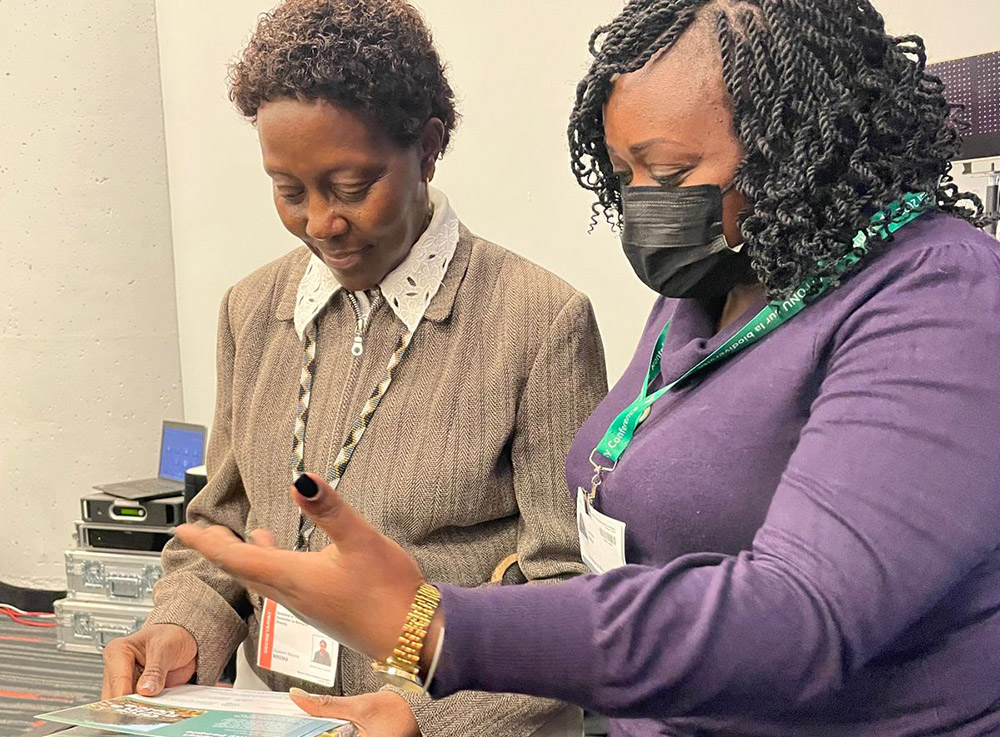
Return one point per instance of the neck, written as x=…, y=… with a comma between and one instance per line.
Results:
x=737, y=302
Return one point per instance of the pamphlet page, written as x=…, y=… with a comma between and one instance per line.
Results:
x=198, y=711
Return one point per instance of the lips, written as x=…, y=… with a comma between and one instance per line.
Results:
x=341, y=259
x=341, y=254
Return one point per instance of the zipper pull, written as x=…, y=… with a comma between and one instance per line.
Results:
x=358, y=347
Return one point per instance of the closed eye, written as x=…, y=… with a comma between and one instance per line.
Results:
x=357, y=190
x=291, y=196
x=674, y=180
x=353, y=193
x=666, y=181
x=668, y=176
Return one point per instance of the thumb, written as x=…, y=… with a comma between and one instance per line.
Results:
x=329, y=512
x=154, y=672
x=328, y=707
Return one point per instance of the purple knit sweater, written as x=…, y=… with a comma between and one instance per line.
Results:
x=813, y=526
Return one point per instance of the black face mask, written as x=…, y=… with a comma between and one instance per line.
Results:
x=673, y=238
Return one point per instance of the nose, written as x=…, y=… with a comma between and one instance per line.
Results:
x=323, y=222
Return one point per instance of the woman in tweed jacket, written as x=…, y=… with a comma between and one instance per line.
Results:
x=494, y=364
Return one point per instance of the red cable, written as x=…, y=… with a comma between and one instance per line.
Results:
x=17, y=619
x=26, y=623
x=17, y=614
x=22, y=613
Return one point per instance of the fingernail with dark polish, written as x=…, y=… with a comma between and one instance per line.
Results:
x=306, y=487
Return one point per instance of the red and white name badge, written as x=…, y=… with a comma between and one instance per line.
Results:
x=287, y=645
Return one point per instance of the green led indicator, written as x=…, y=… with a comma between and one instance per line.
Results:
x=130, y=512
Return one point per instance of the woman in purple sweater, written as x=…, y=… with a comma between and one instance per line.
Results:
x=792, y=497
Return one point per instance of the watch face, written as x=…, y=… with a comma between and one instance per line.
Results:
x=397, y=678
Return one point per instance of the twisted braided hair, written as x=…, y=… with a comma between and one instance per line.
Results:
x=837, y=120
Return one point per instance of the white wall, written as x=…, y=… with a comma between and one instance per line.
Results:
x=88, y=331
x=950, y=28
x=223, y=221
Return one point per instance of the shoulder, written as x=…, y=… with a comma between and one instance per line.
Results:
x=522, y=285
x=936, y=258
x=541, y=325
x=268, y=291
x=938, y=247
x=938, y=273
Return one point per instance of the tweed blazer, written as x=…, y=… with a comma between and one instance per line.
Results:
x=462, y=464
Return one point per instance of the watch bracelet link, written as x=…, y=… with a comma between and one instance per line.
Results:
x=406, y=654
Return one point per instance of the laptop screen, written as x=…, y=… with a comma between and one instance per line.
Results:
x=181, y=448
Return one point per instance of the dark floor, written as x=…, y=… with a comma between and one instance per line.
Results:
x=36, y=678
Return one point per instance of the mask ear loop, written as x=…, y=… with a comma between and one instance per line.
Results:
x=734, y=249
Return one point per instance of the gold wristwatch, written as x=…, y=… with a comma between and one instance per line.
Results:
x=402, y=669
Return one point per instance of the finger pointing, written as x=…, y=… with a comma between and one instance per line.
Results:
x=328, y=511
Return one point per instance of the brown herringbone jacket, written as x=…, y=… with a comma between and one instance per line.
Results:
x=463, y=463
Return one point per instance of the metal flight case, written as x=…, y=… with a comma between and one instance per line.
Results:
x=102, y=575
x=87, y=626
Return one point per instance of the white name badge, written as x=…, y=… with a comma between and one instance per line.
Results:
x=287, y=645
x=602, y=538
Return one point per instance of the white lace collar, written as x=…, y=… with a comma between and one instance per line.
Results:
x=408, y=288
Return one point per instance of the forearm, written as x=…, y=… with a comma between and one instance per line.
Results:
x=207, y=603
x=196, y=595
x=703, y=634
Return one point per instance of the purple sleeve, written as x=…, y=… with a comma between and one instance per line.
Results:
x=889, y=500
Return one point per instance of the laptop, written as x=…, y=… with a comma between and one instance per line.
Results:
x=182, y=446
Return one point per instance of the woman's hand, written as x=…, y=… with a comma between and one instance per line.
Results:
x=379, y=714
x=358, y=589
x=156, y=657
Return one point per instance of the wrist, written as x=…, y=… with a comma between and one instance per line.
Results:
x=432, y=644
x=393, y=706
x=403, y=668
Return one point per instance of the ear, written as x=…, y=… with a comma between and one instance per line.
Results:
x=431, y=147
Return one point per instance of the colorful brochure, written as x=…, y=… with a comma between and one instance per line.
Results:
x=198, y=711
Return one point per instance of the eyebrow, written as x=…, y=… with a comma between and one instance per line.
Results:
x=333, y=171
x=641, y=148
x=274, y=171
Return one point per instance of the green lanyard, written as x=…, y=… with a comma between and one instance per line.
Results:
x=619, y=435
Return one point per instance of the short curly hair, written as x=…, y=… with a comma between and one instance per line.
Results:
x=371, y=56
